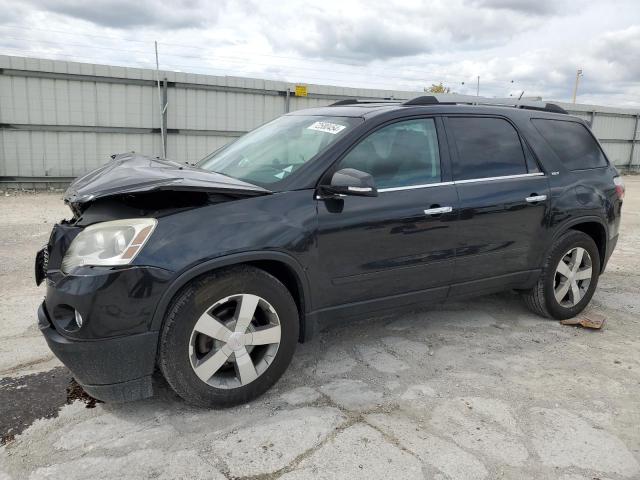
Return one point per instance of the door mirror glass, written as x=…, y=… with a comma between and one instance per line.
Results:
x=350, y=181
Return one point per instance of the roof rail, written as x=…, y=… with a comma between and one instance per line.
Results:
x=548, y=107
x=360, y=101
x=423, y=100
x=469, y=100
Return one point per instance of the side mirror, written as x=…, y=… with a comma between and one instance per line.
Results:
x=350, y=181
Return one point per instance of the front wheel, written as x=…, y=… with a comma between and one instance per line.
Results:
x=569, y=277
x=228, y=337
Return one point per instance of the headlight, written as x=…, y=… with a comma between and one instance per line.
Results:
x=109, y=243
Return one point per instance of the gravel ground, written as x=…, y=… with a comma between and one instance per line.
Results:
x=480, y=389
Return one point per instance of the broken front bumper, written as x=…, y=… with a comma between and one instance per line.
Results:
x=113, y=369
x=97, y=320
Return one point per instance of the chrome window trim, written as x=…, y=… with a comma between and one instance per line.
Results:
x=413, y=187
x=470, y=180
x=503, y=177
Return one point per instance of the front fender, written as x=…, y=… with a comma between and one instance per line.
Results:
x=227, y=261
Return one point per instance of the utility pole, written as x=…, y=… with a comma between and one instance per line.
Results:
x=162, y=107
x=478, y=87
x=575, y=87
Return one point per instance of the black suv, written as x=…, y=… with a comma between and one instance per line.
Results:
x=212, y=273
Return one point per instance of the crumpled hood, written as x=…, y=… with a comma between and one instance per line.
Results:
x=134, y=173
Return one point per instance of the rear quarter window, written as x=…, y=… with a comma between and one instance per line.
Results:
x=572, y=143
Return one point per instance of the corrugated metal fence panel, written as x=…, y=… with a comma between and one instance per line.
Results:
x=65, y=154
x=192, y=108
x=583, y=115
x=300, y=103
x=618, y=153
x=191, y=148
x=614, y=126
x=43, y=101
x=209, y=110
x=27, y=100
x=45, y=108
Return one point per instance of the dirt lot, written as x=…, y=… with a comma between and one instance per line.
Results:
x=470, y=390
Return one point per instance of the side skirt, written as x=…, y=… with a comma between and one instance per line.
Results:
x=331, y=316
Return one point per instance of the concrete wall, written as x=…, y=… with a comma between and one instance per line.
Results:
x=60, y=119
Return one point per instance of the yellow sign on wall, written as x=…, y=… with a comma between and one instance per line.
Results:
x=301, y=90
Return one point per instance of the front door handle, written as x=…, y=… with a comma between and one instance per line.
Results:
x=536, y=198
x=438, y=210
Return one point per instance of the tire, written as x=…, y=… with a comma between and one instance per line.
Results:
x=185, y=349
x=541, y=299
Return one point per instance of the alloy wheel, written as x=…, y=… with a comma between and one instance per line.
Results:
x=572, y=277
x=234, y=341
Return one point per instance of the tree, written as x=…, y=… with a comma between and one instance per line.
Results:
x=439, y=88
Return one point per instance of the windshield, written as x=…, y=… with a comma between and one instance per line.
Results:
x=274, y=151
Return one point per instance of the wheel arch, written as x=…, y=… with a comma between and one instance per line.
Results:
x=592, y=226
x=281, y=265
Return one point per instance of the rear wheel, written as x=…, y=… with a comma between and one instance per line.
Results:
x=228, y=337
x=569, y=277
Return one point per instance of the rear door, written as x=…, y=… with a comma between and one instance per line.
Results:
x=504, y=199
x=380, y=250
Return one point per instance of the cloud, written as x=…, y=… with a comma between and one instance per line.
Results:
x=378, y=31
x=123, y=14
x=513, y=45
x=12, y=13
x=364, y=39
x=540, y=7
x=621, y=51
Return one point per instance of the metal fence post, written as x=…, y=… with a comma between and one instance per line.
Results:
x=287, y=98
x=634, y=139
x=165, y=86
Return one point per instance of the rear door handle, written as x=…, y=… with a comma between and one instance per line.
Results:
x=536, y=198
x=438, y=210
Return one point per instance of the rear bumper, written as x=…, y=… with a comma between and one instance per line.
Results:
x=114, y=369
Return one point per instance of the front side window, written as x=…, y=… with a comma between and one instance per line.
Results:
x=269, y=154
x=572, y=143
x=399, y=155
x=486, y=147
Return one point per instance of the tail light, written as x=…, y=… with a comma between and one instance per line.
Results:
x=619, y=187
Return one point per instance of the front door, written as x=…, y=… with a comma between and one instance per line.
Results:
x=396, y=248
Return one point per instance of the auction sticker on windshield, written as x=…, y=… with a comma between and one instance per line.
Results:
x=326, y=127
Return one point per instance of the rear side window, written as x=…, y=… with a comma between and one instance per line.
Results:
x=487, y=147
x=572, y=143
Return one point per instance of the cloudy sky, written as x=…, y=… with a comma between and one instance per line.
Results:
x=513, y=45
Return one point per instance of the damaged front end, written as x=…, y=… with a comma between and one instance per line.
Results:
x=100, y=302
x=134, y=186
x=134, y=174
x=49, y=258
